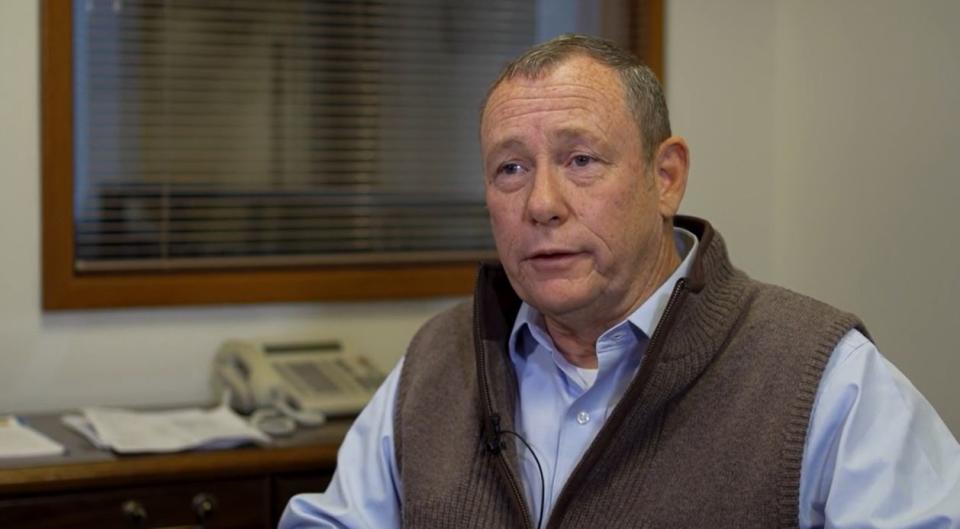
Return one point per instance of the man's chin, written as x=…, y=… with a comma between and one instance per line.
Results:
x=558, y=303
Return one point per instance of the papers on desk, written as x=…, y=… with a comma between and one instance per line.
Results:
x=125, y=431
x=19, y=440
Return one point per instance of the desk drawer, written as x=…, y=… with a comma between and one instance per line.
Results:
x=285, y=486
x=237, y=504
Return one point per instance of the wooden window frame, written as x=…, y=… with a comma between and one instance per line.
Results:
x=65, y=288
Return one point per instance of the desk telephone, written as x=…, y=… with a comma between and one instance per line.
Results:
x=306, y=381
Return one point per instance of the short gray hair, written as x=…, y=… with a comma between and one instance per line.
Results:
x=643, y=91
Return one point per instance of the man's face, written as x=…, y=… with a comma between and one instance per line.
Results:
x=577, y=220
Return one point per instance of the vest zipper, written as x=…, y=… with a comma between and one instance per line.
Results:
x=492, y=421
x=634, y=391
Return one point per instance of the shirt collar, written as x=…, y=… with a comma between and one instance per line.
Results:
x=647, y=315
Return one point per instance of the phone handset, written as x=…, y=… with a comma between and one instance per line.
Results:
x=232, y=375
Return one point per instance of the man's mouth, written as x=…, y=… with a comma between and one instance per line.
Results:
x=552, y=255
x=553, y=259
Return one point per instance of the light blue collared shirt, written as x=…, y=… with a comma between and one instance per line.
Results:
x=562, y=407
x=877, y=455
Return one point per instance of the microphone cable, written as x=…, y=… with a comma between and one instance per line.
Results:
x=495, y=419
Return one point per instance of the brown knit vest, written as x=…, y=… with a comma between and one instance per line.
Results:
x=710, y=432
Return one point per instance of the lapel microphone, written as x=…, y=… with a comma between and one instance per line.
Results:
x=491, y=434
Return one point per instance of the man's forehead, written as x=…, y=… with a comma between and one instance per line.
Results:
x=570, y=103
x=563, y=135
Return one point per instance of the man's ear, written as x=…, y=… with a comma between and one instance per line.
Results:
x=671, y=166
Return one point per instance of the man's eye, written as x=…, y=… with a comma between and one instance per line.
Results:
x=582, y=160
x=509, y=168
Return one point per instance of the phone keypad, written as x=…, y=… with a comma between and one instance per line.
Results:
x=309, y=377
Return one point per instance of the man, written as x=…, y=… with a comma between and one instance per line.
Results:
x=617, y=370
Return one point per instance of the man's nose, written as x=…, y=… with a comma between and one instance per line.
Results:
x=546, y=203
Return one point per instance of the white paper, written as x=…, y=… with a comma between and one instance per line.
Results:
x=17, y=440
x=82, y=426
x=170, y=431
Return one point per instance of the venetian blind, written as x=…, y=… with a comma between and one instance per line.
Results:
x=213, y=133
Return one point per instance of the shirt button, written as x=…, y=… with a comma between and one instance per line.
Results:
x=583, y=417
x=617, y=336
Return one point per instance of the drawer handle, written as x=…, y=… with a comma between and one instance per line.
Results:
x=203, y=506
x=134, y=512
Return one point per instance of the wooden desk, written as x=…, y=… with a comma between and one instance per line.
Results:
x=243, y=488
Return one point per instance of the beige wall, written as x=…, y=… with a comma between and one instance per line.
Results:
x=824, y=140
x=826, y=147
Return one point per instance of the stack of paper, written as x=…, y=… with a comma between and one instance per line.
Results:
x=126, y=431
x=19, y=440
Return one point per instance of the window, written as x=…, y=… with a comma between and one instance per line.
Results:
x=214, y=152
